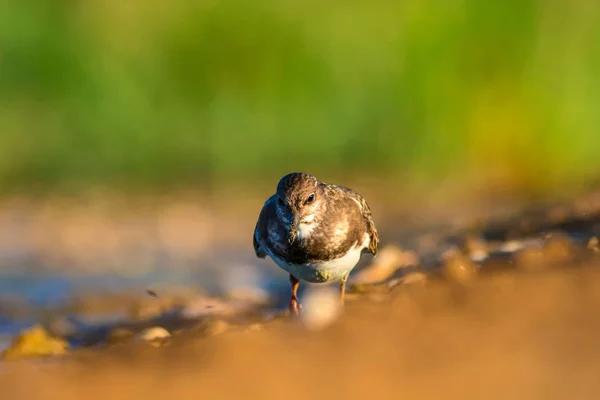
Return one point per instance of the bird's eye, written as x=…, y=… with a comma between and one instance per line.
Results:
x=310, y=198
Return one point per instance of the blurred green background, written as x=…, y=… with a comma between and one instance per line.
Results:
x=150, y=93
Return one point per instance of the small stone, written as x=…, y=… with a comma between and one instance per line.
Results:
x=476, y=248
x=156, y=336
x=33, y=342
x=478, y=255
x=594, y=244
x=559, y=249
x=530, y=259
x=393, y=283
x=321, y=308
x=459, y=268
x=387, y=262
x=511, y=246
x=414, y=278
x=451, y=253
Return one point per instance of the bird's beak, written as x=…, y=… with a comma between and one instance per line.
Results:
x=292, y=234
x=294, y=229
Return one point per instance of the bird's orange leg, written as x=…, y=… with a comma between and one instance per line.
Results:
x=343, y=288
x=294, y=305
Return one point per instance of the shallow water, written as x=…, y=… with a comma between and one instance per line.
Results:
x=33, y=296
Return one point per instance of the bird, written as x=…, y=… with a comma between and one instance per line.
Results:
x=315, y=231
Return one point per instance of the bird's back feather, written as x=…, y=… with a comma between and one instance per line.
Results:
x=366, y=213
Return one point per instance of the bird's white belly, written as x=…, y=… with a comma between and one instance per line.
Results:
x=322, y=271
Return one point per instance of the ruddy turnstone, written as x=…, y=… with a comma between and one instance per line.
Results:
x=315, y=231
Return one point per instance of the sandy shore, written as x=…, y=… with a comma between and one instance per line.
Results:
x=524, y=326
x=512, y=334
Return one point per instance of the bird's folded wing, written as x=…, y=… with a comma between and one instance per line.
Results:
x=260, y=230
x=366, y=212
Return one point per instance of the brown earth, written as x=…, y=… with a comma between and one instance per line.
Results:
x=525, y=327
x=511, y=335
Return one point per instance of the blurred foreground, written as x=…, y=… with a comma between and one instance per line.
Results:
x=511, y=335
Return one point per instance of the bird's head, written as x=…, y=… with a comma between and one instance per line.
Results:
x=299, y=199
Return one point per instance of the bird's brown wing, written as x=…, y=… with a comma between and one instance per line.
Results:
x=366, y=213
x=371, y=229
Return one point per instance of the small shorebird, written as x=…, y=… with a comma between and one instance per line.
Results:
x=315, y=231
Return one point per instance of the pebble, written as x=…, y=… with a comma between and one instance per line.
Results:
x=35, y=341
x=594, y=244
x=321, y=308
x=156, y=336
x=459, y=268
x=530, y=259
x=559, y=249
x=511, y=246
x=388, y=261
x=476, y=248
x=413, y=278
